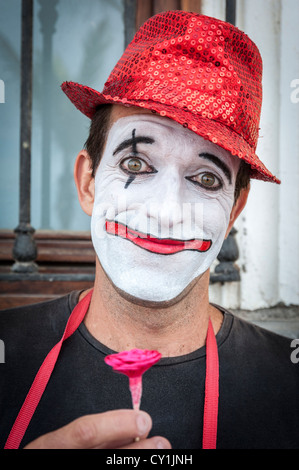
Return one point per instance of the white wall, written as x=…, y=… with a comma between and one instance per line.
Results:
x=268, y=229
x=289, y=155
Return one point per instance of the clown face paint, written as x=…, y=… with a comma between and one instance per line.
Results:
x=163, y=197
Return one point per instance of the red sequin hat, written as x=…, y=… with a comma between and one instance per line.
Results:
x=199, y=71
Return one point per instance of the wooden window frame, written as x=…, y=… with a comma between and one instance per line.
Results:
x=65, y=259
x=66, y=262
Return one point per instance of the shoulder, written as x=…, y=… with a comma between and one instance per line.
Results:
x=259, y=349
x=43, y=319
x=46, y=307
x=247, y=331
x=250, y=333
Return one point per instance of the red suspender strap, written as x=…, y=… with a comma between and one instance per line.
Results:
x=210, y=417
x=42, y=377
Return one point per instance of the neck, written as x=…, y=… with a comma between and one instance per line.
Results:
x=173, y=330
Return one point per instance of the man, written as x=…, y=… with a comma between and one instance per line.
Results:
x=164, y=175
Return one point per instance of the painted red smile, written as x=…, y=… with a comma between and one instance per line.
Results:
x=162, y=246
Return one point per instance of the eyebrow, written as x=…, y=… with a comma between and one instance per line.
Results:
x=219, y=163
x=133, y=142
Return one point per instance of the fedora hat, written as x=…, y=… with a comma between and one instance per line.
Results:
x=199, y=71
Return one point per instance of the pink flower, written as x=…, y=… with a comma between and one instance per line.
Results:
x=133, y=363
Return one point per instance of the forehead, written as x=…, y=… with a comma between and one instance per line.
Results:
x=124, y=119
x=161, y=129
x=119, y=111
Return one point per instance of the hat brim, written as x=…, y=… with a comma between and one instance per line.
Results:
x=87, y=100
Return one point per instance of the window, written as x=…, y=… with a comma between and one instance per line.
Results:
x=72, y=41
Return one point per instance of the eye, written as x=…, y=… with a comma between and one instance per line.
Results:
x=136, y=165
x=206, y=180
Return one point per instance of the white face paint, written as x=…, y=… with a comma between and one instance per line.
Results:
x=163, y=197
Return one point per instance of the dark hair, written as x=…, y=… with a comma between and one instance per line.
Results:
x=98, y=133
x=242, y=179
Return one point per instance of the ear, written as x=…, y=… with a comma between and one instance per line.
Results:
x=237, y=208
x=84, y=181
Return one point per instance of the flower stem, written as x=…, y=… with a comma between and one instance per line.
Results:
x=135, y=384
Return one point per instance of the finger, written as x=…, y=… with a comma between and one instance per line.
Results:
x=156, y=442
x=99, y=431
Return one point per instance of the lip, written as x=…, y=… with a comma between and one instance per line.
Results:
x=162, y=246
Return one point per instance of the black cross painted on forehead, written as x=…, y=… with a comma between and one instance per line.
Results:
x=132, y=142
x=134, y=151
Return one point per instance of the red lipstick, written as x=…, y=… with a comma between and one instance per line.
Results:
x=162, y=246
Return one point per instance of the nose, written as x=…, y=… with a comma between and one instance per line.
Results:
x=165, y=207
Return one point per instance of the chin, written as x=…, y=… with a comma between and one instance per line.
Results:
x=155, y=301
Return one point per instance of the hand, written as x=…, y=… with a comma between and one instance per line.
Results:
x=117, y=429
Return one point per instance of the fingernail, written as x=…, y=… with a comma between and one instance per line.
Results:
x=143, y=422
x=162, y=445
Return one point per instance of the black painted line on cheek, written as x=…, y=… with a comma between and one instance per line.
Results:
x=130, y=180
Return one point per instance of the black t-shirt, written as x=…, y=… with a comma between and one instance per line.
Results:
x=259, y=384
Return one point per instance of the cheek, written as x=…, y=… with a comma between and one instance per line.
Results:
x=112, y=199
x=111, y=191
x=107, y=184
x=216, y=215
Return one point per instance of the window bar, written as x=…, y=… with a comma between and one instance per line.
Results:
x=129, y=21
x=230, y=14
x=227, y=270
x=25, y=250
